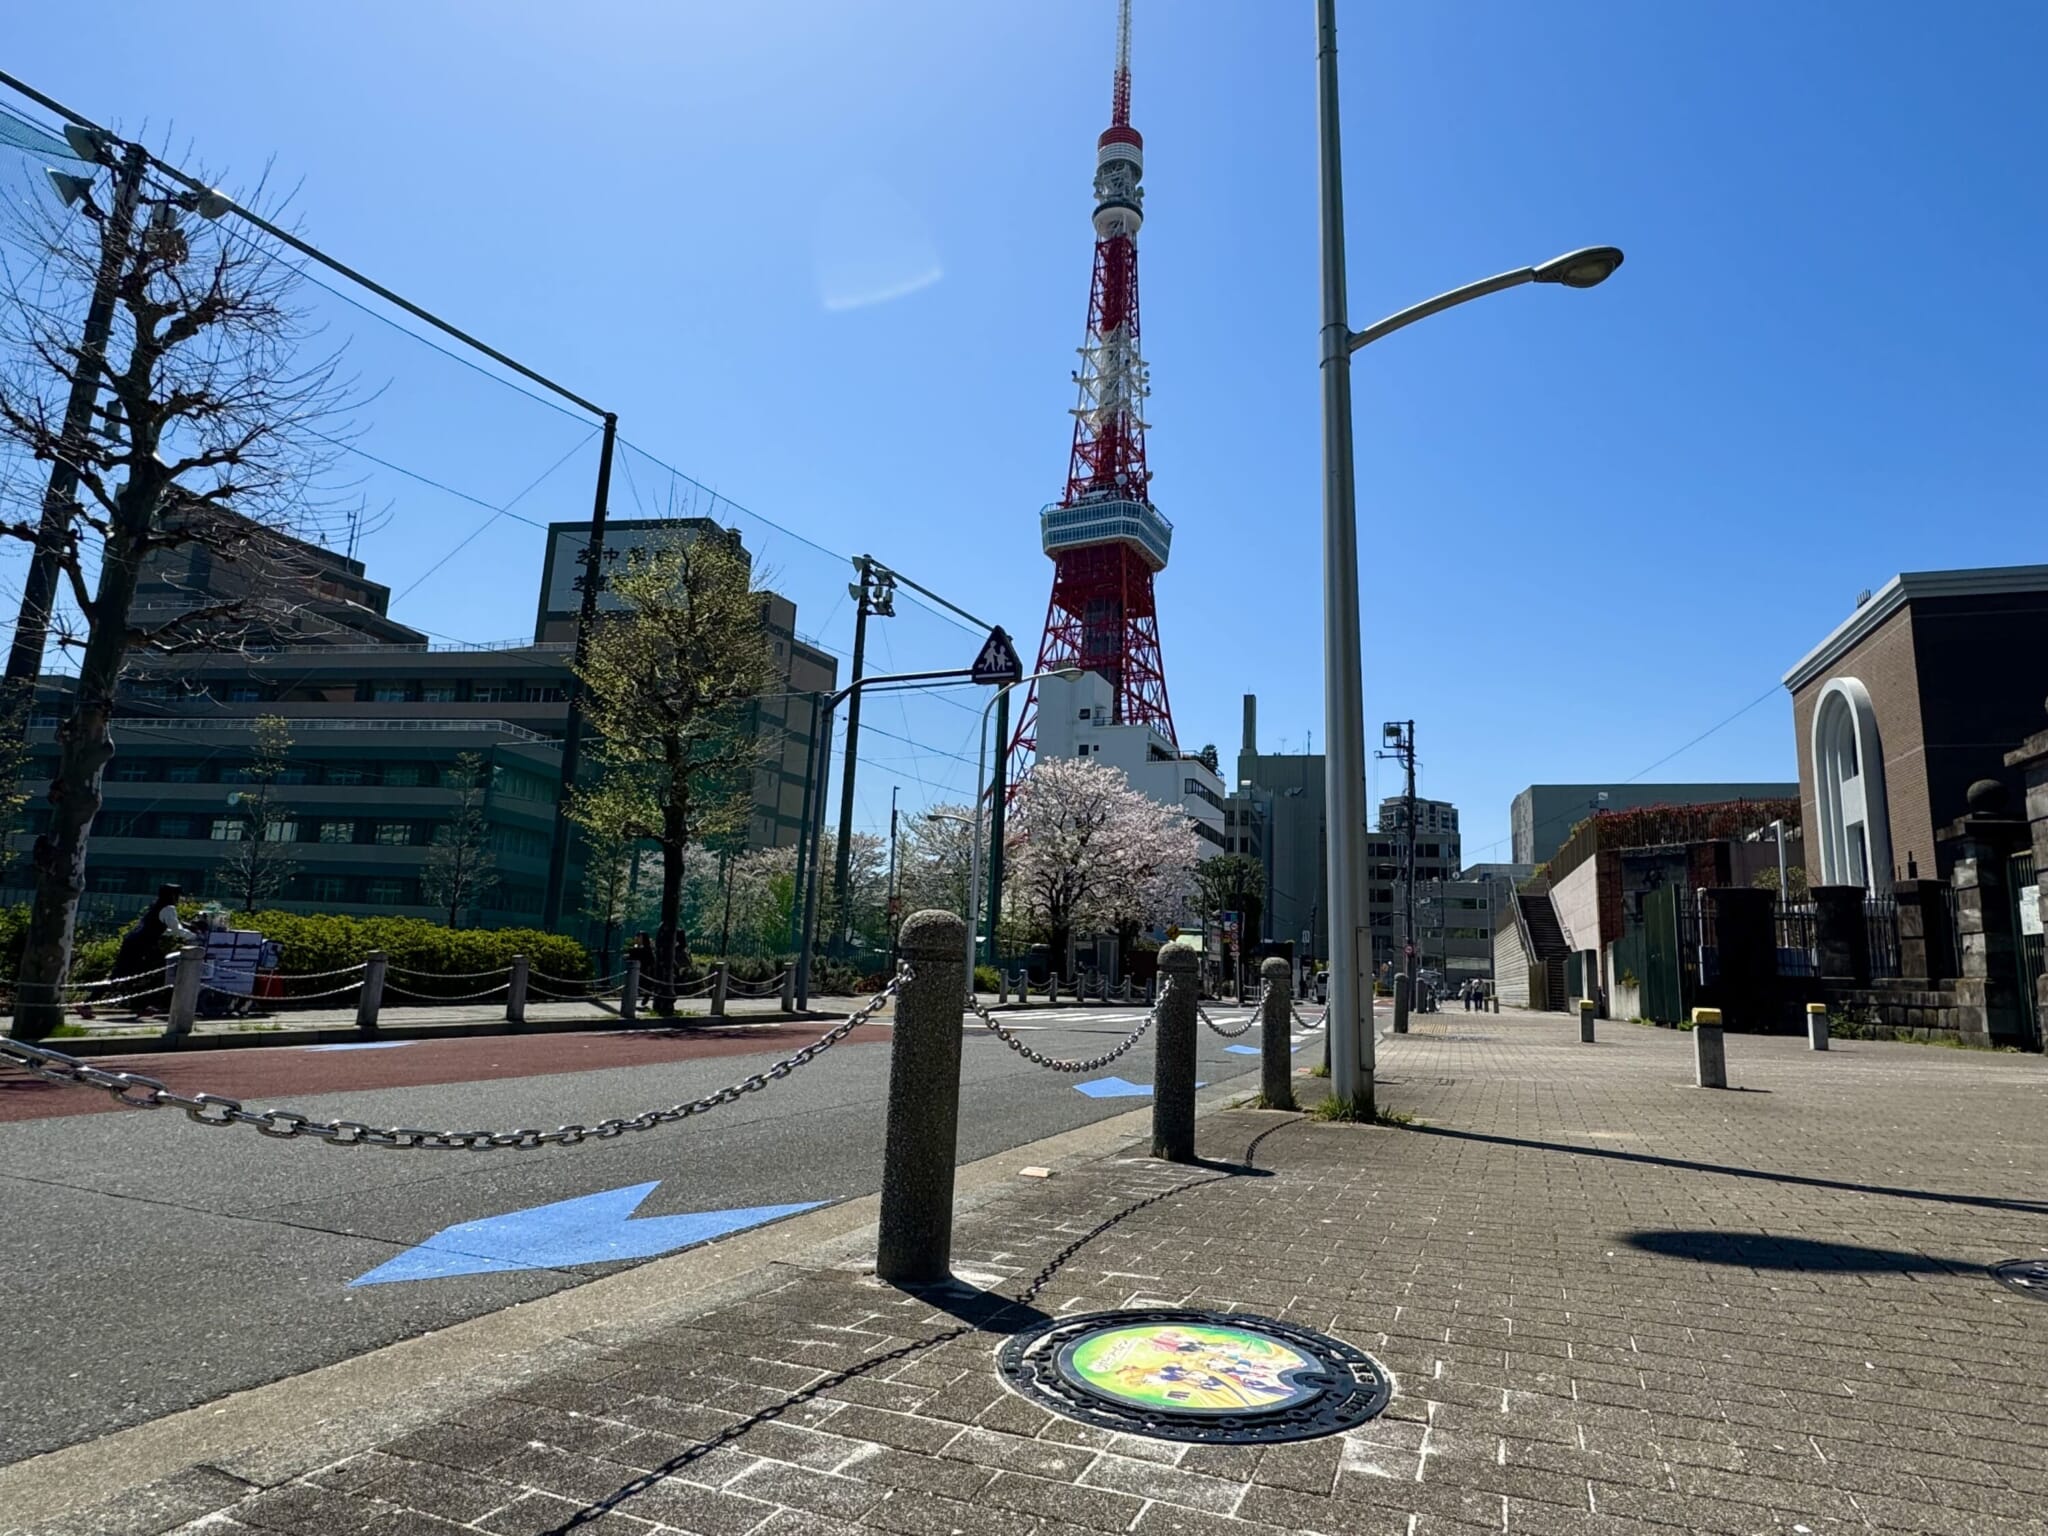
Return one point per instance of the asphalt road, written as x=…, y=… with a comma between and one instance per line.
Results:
x=150, y=1265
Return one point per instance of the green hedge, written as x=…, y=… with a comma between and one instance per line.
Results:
x=326, y=943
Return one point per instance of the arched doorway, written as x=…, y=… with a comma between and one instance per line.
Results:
x=1854, y=832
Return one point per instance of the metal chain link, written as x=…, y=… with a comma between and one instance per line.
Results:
x=1316, y=1023
x=80, y=986
x=1228, y=1034
x=1056, y=1064
x=409, y=970
x=141, y=1092
x=467, y=997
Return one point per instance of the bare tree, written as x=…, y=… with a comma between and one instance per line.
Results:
x=460, y=869
x=257, y=866
x=209, y=433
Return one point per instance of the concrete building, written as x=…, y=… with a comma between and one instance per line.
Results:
x=1543, y=815
x=378, y=717
x=1909, y=700
x=1437, y=818
x=1075, y=719
x=1281, y=812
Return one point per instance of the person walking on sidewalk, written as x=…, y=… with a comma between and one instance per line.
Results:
x=143, y=945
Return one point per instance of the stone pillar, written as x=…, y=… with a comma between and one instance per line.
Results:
x=2031, y=759
x=1841, y=934
x=1587, y=1011
x=1990, y=1009
x=1052, y=990
x=184, y=1007
x=629, y=994
x=515, y=992
x=1746, y=937
x=371, y=997
x=1709, y=1051
x=1173, y=1064
x=1401, y=1001
x=789, y=986
x=1276, y=1037
x=718, y=984
x=1817, y=1026
x=1926, y=947
x=916, y=1234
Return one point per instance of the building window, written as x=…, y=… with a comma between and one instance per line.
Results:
x=330, y=888
x=129, y=770
x=401, y=776
x=396, y=834
x=388, y=893
x=122, y=824
x=388, y=693
x=228, y=829
x=340, y=773
x=494, y=693
x=174, y=826
x=244, y=693
x=182, y=773
x=285, y=829
x=438, y=693
x=337, y=831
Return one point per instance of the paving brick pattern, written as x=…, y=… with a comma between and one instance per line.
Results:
x=1611, y=1302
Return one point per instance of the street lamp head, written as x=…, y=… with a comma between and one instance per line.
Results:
x=71, y=189
x=1068, y=674
x=1588, y=268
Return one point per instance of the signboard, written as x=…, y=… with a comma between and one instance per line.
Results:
x=2030, y=914
x=998, y=661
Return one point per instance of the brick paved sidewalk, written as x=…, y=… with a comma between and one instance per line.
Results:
x=1611, y=1303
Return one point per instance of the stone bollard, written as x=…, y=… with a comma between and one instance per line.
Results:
x=1173, y=1061
x=916, y=1242
x=1586, y=1007
x=1276, y=1042
x=371, y=998
x=1817, y=1026
x=1102, y=986
x=184, y=1007
x=1709, y=1053
x=1052, y=990
x=629, y=994
x=515, y=994
x=1152, y=990
x=1002, y=985
x=1495, y=1000
x=718, y=985
x=789, y=988
x=1401, y=1003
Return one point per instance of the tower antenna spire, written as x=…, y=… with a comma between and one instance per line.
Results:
x=1105, y=538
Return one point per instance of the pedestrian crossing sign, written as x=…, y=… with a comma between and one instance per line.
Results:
x=998, y=661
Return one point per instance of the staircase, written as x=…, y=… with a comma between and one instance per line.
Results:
x=1547, y=946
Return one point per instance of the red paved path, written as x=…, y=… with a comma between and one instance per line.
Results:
x=274, y=1073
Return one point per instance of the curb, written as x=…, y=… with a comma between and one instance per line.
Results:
x=256, y=1039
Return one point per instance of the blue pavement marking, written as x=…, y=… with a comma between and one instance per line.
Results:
x=361, y=1045
x=1253, y=1050
x=591, y=1229
x=1117, y=1088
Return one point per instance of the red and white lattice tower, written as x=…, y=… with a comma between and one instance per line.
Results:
x=1104, y=536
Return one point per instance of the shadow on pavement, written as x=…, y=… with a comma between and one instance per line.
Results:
x=1750, y=1250
x=1806, y=1181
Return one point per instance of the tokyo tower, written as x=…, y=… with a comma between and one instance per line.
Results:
x=1105, y=538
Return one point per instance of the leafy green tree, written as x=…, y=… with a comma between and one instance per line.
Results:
x=460, y=869
x=1233, y=882
x=668, y=681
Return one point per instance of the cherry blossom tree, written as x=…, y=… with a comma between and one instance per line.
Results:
x=1090, y=852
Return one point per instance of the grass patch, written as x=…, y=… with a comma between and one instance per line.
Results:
x=1321, y=1069
x=1347, y=1112
x=69, y=1030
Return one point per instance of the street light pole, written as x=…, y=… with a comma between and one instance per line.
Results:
x=1351, y=1036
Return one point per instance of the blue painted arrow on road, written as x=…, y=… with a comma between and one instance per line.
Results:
x=1117, y=1088
x=591, y=1229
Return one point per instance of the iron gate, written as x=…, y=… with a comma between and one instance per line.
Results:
x=1667, y=977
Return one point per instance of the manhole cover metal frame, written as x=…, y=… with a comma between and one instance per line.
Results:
x=1348, y=1385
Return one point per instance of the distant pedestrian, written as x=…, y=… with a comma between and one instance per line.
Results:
x=143, y=946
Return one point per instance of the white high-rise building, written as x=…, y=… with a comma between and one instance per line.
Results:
x=1075, y=720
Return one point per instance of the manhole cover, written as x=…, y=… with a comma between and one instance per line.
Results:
x=2027, y=1276
x=1173, y=1374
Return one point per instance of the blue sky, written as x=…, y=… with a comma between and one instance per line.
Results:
x=831, y=259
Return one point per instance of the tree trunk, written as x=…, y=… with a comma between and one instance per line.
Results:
x=85, y=744
x=1062, y=945
x=665, y=931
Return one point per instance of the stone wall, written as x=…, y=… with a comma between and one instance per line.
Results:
x=1907, y=1010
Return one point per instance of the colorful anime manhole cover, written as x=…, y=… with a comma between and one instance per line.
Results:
x=2027, y=1276
x=1219, y=1377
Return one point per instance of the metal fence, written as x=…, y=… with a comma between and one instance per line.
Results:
x=1797, y=940
x=1881, y=924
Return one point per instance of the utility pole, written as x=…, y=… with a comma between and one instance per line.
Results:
x=591, y=557
x=892, y=861
x=39, y=586
x=998, y=803
x=874, y=593
x=1399, y=739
